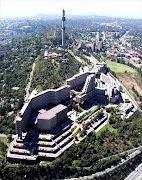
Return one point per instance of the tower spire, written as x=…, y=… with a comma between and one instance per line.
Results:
x=63, y=29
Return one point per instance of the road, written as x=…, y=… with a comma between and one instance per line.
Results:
x=29, y=82
x=3, y=135
x=136, y=175
x=123, y=39
x=114, y=167
x=93, y=59
x=77, y=58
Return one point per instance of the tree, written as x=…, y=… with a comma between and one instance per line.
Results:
x=57, y=162
x=120, y=88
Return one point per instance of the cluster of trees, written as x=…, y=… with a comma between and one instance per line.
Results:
x=52, y=75
x=3, y=148
x=57, y=171
x=7, y=125
x=136, y=41
x=114, y=119
x=137, y=94
x=16, y=60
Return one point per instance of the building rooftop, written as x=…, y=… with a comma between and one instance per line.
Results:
x=43, y=114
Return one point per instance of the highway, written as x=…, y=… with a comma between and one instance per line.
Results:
x=3, y=135
x=136, y=175
x=93, y=59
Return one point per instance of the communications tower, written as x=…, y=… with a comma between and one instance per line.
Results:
x=63, y=29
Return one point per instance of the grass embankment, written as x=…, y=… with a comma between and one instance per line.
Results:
x=107, y=126
x=78, y=58
x=89, y=114
x=45, y=163
x=81, y=109
x=3, y=139
x=76, y=132
x=73, y=128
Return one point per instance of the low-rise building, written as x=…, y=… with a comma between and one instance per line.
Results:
x=126, y=108
x=46, y=120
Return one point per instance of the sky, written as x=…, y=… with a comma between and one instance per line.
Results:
x=116, y=8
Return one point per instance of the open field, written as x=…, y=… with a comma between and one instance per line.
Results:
x=119, y=68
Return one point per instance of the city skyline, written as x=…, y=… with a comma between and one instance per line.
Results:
x=125, y=8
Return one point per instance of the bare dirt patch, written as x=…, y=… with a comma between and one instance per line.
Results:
x=129, y=80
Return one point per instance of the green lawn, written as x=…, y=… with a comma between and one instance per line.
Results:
x=107, y=126
x=119, y=68
x=12, y=164
x=3, y=139
x=76, y=163
x=81, y=109
x=46, y=162
x=91, y=112
x=73, y=128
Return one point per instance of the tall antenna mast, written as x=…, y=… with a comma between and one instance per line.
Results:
x=63, y=29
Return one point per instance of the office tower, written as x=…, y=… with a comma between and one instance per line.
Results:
x=98, y=36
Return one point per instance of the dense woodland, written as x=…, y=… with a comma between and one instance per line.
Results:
x=50, y=172
x=52, y=75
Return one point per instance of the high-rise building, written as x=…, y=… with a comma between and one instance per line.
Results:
x=104, y=36
x=63, y=29
x=98, y=36
x=93, y=46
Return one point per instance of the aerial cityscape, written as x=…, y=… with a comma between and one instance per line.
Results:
x=71, y=93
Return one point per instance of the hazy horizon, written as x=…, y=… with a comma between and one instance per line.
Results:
x=117, y=8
